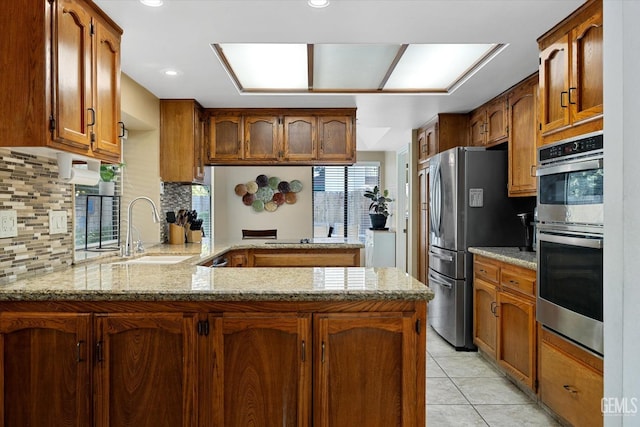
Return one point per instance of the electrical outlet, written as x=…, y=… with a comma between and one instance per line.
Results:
x=57, y=222
x=8, y=223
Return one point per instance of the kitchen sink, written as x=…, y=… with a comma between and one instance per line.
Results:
x=156, y=259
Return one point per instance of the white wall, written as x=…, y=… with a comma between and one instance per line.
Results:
x=231, y=215
x=622, y=207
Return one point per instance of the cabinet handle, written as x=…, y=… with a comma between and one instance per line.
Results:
x=79, y=351
x=493, y=308
x=562, y=94
x=99, y=353
x=322, y=355
x=572, y=89
x=121, y=130
x=304, y=350
x=514, y=282
x=93, y=117
x=532, y=172
x=570, y=389
x=483, y=271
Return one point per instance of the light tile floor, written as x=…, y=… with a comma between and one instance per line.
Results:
x=463, y=389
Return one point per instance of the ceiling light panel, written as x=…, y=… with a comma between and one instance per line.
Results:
x=351, y=66
x=262, y=66
x=435, y=66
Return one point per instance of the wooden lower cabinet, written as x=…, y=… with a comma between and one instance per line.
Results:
x=365, y=370
x=571, y=381
x=212, y=363
x=145, y=369
x=504, y=319
x=45, y=368
x=304, y=258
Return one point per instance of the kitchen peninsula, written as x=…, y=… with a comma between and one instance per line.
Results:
x=187, y=345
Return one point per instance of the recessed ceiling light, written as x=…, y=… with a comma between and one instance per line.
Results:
x=171, y=72
x=318, y=3
x=152, y=3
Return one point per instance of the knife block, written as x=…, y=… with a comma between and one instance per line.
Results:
x=194, y=236
x=176, y=235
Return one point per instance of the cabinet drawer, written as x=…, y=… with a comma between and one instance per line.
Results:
x=572, y=389
x=518, y=280
x=485, y=269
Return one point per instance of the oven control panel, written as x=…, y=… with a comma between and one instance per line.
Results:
x=572, y=147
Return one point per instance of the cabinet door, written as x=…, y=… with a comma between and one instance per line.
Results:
x=431, y=139
x=108, y=128
x=262, y=370
x=585, y=92
x=225, y=138
x=74, y=114
x=477, y=127
x=365, y=367
x=554, y=86
x=422, y=145
x=523, y=114
x=45, y=369
x=336, y=138
x=145, y=370
x=261, y=138
x=517, y=337
x=299, y=139
x=484, y=316
x=180, y=141
x=496, y=121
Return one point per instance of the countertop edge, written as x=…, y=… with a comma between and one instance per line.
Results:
x=510, y=255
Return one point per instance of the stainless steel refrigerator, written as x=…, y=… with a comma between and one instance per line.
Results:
x=468, y=206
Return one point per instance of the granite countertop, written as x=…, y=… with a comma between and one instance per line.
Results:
x=112, y=280
x=511, y=255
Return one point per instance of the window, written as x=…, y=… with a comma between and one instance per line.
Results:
x=339, y=206
x=97, y=225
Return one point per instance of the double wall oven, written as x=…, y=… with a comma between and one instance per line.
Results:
x=570, y=239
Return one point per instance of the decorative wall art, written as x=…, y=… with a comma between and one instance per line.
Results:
x=268, y=193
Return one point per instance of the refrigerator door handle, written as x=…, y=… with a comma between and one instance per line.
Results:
x=442, y=257
x=439, y=281
x=435, y=214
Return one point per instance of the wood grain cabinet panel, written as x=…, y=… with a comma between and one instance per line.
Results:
x=262, y=138
x=45, y=366
x=335, y=134
x=182, y=135
x=364, y=370
x=145, y=369
x=299, y=138
x=488, y=123
x=504, y=321
x=61, y=82
x=571, y=76
x=523, y=138
x=225, y=138
x=262, y=372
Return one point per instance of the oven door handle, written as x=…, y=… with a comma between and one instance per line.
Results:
x=570, y=167
x=571, y=240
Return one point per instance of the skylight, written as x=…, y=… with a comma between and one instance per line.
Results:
x=350, y=68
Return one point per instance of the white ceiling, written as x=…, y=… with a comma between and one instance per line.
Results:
x=179, y=34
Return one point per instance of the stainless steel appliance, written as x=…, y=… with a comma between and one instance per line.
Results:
x=570, y=239
x=468, y=206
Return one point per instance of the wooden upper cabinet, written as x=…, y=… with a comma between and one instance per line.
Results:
x=262, y=369
x=365, y=367
x=182, y=134
x=422, y=145
x=145, y=371
x=74, y=113
x=225, y=138
x=299, y=137
x=488, y=123
x=108, y=128
x=442, y=132
x=45, y=368
x=336, y=137
x=571, y=76
x=262, y=140
x=272, y=136
x=62, y=87
x=523, y=136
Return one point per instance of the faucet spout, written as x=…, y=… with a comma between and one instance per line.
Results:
x=156, y=219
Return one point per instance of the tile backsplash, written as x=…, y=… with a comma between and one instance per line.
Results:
x=29, y=185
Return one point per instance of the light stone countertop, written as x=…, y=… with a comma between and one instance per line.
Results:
x=511, y=255
x=108, y=279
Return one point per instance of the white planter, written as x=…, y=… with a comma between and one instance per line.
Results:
x=106, y=188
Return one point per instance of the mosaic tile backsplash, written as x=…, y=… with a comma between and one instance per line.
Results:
x=29, y=185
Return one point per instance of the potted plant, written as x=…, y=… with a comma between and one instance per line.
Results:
x=106, y=186
x=379, y=208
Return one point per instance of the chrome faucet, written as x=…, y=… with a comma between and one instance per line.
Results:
x=156, y=219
